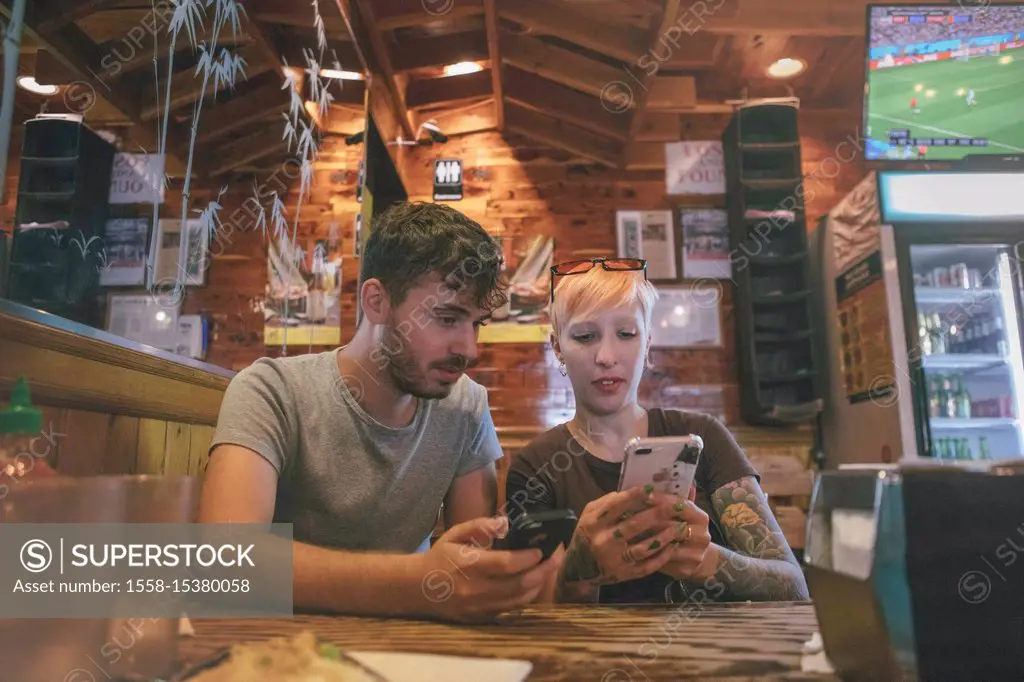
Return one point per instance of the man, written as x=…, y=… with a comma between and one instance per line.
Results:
x=970, y=98
x=358, y=447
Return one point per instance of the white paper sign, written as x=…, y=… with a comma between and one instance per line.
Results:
x=137, y=179
x=694, y=167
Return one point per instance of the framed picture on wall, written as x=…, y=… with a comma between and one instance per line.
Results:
x=705, y=247
x=167, y=252
x=650, y=235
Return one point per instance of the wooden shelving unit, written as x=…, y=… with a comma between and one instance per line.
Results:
x=776, y=339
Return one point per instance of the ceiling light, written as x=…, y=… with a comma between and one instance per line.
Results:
x=462, y=68
x=341, y=75
x=29, y=83
x=786, y=68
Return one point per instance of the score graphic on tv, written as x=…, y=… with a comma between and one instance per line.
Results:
x=944, y=82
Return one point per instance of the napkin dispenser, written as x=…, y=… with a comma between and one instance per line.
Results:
x=917, y=571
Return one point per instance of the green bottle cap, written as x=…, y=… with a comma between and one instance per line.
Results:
x=20, y=416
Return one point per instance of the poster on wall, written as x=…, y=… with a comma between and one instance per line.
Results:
x=694, y=167
x=687, y=317
x=167, y=250
x=447, y=180
x=705, y=243
x=865, y=348
x=650, y=235
x=659, y=244
x=125, y=246
x=137, y=179
x=303, y=293
x=629, y=235
x=527, y=267
x=855, y=224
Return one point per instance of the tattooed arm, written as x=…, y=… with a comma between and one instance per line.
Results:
x=757, y=564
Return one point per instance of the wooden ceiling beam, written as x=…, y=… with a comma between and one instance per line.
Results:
x=438, y=51
x=560, y=135
x=645, y=78
x=224, y=118
x=558, y=64
x=382, y=59
x=494, y=51
x=426, y=92
x=185, y=85
x=670, y=93
x=627, y=43
x=143, y=58
x=563, y=103
x=248, y=149
x=475, y=118
x=70, y=11
x=405, y=13
x=299, y=15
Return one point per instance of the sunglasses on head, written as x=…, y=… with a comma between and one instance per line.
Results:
x=579, y=267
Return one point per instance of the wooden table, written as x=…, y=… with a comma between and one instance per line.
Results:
x=572, y=643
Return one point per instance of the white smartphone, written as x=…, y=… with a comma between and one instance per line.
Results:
x=669, y=463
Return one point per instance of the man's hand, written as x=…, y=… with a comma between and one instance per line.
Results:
x=464, y=580
x=622, y=536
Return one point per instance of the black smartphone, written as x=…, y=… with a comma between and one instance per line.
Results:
x=544, y=530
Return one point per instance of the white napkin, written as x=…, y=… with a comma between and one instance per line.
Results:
x=404, y=667
x=814, y=659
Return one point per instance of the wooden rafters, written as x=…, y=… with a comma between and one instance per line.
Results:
x=645, y=77
x=563, y=103
x=68, y=12
x=494, y=51
x=427, y=92
x=382, y=58
x=626, y=43
x=558, y=64
x=560, y=135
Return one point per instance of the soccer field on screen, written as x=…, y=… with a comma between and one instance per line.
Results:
x=941, y=91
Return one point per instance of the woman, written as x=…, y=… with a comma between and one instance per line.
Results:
x=723, y=543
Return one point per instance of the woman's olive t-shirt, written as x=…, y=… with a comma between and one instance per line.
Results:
x=556, y=472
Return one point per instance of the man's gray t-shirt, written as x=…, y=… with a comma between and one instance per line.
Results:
x=346, y=480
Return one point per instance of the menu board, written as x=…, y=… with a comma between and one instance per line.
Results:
x=865, y=348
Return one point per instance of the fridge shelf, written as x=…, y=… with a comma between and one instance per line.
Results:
x=956, y=361
x=946, y=423
x=952, y=295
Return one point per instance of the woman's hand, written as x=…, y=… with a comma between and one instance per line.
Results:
x=625, y=535
x=693, y=556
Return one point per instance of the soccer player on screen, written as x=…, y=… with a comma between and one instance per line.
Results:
x=913, y=105
x=970, y=98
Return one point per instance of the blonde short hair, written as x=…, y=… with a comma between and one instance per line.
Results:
x=600, y=288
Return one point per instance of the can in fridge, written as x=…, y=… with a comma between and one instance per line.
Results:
x=940, y=277
x=959, y=276
x=975, y=278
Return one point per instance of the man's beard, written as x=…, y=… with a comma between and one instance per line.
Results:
x=403, y=368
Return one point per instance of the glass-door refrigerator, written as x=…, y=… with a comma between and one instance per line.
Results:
x=961, y=289
x=936, y=259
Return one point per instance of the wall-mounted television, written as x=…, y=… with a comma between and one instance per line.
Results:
x=944, y=81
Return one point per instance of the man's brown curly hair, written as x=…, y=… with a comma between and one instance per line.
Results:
x=410, y=240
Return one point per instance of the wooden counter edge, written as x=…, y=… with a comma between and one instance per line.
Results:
x=72, y=365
